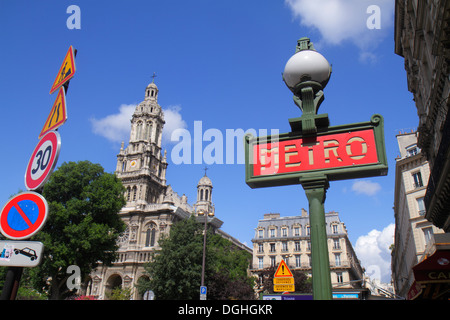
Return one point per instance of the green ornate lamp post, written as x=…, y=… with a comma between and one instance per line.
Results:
x=306, y=74
x=314, y=153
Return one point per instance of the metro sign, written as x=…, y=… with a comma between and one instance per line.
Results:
x=340, y=152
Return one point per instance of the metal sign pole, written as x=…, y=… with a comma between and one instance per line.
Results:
x=315, y=188
x=11, y=285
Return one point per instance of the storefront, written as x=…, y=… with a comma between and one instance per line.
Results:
x=432, y=274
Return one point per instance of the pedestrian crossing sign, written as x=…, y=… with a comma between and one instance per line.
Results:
x=66, y=71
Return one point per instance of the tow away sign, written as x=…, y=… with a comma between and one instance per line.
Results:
x=20, y=253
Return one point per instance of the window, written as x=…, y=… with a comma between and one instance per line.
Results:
x=260, y=247
x=412, y=150
x=337, y=259
x=260, y=233
x=336, y=244
x=261, y=263
x=284, y=232
x=128, y=193
x=298, y=263
x=335, y=228
x=150, y=237
x=272, y=262
x=297, y=231
x=417, y=177
x=421, y=206
x=138, y=130
x=272, y=247
x=308, y=233
x=134, y=193
x=340, y=278
x=308, y=245
x=297, y=246
x=272, y=233
x=428, y=233
x=284, y=246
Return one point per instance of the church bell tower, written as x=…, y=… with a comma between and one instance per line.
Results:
x=204, y=202
x=141, y=165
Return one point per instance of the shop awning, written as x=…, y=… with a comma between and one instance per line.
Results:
x=432, y=274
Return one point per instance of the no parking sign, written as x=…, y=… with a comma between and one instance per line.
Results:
x=23, y=215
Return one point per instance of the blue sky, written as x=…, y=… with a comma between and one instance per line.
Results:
x=218, y=62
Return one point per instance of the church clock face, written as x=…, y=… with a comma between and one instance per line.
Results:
x=133, y=164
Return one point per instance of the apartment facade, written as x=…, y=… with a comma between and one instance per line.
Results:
x=288, y=238
x=413, y=232
x=422, y=38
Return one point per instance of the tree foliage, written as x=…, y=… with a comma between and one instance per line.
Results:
x=83, y=224
x=175, y=270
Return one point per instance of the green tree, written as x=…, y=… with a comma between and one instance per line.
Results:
x=175, y=270
x=119, y=293
x=230, y=279
x=83, y=224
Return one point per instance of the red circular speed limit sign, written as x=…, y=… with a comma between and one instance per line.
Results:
x=43, y=160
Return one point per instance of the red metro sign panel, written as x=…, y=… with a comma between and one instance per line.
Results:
x=304, y=154
x=341, y=152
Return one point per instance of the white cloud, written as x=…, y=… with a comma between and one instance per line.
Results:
x=115, y=127
x=174, y=121
x=374, y=253
x=346, y=20
x=366, y=187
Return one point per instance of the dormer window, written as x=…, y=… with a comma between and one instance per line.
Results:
x=412, y=150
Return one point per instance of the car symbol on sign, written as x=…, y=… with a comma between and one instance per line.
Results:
x=27, y=252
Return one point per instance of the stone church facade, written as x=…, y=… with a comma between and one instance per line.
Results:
x=151, y=205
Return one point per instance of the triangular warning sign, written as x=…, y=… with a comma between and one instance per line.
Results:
x=283, y=270
x=58, y=114
x=66, y=72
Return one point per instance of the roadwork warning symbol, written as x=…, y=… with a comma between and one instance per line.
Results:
x=58, y=114
x=66, y=71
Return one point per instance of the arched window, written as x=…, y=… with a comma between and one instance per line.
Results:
x=139, y=130
x=134, y=193
x=128, y=193
x=150, y=236
x=201, y=194
x=149, y=130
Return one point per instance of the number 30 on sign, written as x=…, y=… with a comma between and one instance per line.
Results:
x=43, y=160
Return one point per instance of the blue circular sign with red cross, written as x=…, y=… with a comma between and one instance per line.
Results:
x=23, y=215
